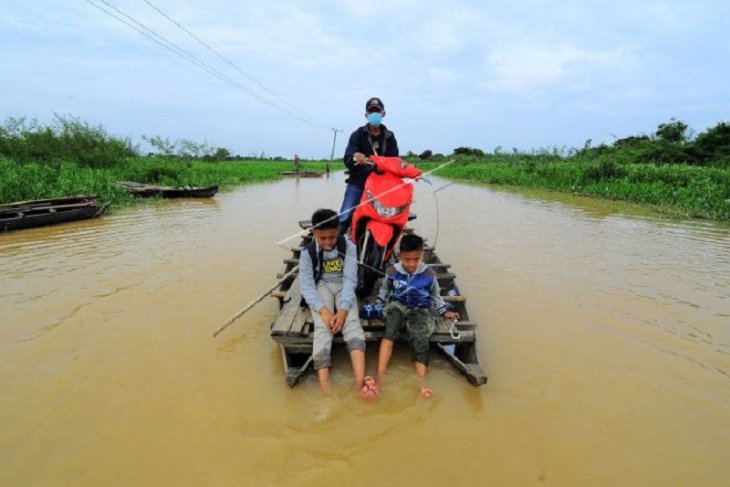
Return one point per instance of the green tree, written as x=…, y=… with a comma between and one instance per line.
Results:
x=674, y=131
x=163, y=145
x=468, y=151
x=715, y=142
x=221, y=154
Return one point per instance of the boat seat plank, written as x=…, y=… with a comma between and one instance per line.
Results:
x=454, y=299
x=279, y=294
x=303, y=324
x=289, y=312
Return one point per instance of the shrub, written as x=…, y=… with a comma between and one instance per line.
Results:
x=65, y=139
x=468, y=151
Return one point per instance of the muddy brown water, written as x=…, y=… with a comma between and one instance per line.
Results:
x=605, y=335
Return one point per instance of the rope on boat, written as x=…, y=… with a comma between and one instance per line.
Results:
x=438, y=214
x=453, y=331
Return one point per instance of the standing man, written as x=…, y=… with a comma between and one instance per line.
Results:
x=373, y=138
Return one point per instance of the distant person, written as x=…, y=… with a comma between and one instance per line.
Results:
x=373, y=138
x=297, y=163
x=412, y=290
x=328, y=275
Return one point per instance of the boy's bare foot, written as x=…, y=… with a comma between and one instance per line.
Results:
x=324, y=386
x=370, y=389
x=426, y=392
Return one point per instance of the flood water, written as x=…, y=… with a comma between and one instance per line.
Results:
x=605, y=336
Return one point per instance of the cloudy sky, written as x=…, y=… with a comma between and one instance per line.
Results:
x=277, y=76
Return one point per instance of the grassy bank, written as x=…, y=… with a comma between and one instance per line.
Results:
x=672, y=170
x=34, y=180
x=676, y=189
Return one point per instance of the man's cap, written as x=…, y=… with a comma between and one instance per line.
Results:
x=374, y=103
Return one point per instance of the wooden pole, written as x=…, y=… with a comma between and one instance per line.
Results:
x=255, y=301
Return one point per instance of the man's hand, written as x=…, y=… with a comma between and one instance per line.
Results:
x=339, y=321
x=359, y=158
x=452, y=315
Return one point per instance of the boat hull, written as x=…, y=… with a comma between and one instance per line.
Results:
x=39, y=213
x=293, y=328
x=152, y=191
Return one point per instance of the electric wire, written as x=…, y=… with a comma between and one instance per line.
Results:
x=226, y=60
x=172, y=47
x=152, y=35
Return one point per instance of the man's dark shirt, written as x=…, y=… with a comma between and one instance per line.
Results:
x=362, y=141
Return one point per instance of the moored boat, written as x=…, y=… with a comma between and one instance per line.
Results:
x=38, y=213
x=293, y=328
x=149, y=190
x=302, y=174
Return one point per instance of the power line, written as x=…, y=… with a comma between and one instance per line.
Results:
x=153, y=36
x=171, y=46
x=221, y=56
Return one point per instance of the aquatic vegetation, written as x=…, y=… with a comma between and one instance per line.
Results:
x=683, y=190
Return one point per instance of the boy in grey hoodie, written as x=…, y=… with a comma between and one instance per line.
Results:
x=327, y=284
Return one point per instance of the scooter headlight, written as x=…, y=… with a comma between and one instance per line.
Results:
x=385, y=211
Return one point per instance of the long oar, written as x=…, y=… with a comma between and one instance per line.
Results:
x=255, y=301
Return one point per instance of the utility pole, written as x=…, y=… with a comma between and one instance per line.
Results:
x=332, y=155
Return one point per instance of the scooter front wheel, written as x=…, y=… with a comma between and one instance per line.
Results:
x=370, y=266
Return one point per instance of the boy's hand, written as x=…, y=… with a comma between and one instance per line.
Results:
x=452, y=315
x=327, y=316
x=359, y=158
x=339, y=320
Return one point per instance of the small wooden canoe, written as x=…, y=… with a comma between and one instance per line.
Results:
x=151, y=191
x=39, y=213
x=293, y=328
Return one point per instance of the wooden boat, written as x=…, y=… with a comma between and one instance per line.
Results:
x=149, y=190
x=302, y=174
x=38, y=213
x=293, y=328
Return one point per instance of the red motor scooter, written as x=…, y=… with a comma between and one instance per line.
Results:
x=381, y=216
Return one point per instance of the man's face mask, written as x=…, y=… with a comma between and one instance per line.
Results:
x=375, y=118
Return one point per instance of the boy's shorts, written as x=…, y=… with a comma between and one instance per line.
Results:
x=415, y=325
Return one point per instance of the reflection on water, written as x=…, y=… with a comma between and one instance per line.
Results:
x=605, y=338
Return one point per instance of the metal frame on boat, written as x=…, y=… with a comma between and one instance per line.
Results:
x=293, y=328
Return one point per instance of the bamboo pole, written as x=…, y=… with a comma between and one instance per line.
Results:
x=255, y=301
